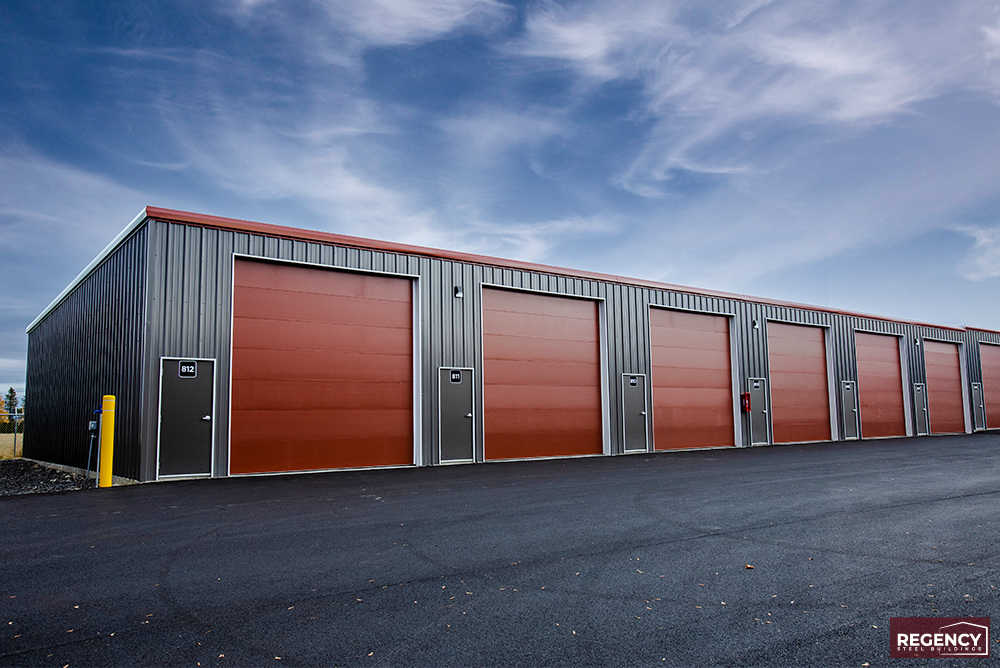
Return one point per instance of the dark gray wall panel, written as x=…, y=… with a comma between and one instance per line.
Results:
x=90, y=345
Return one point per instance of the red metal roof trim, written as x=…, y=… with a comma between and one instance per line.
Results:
x=235, y=224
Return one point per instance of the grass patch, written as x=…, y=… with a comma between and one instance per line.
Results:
x=7, y=446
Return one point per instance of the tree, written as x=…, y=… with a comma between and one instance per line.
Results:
x=10, y=401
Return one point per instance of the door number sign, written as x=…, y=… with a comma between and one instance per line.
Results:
x=187, y=369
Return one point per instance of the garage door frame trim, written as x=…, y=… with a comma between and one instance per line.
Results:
x=417, y=345
x=964, y=381
x=904, y=375
x=734, y=382
x=831, y=377
x=602, y=328
x=986, y=415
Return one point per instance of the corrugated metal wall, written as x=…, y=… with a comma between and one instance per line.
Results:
x=90, y=346
x=188, y=308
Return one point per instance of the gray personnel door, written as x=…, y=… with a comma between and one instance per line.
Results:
x=978, y=409
x=455, y=403
x=187, y=409
x=920, y=408
x=758, y=411
x=849, y=393
x=634, y=412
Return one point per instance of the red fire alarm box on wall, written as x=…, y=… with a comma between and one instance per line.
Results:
x=745, y=402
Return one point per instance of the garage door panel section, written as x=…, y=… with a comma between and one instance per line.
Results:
x=800, y=394
x=990, y=359
x=288, y=305
x=321, y=394
x=552, y=328
x=692, y=380
x=275, y=276
x=560, y=398
x=322, y=369
x=541, y=376
x=944, y=387
x=553, y=351
x=318, y=365
x=260, y=334
x=533, y=374
x=880, y=385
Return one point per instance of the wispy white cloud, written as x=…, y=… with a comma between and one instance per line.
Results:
x=704, y=143
x=54, y=219
x=8, y=365
x=533, y=242
x=753, y=63
x=348, y=26
x=247, y=157
x=983, y=261
x=66, y=206
x=480, y=136
x=396, y=22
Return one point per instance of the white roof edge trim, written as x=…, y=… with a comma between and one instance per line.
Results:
x=138, y=220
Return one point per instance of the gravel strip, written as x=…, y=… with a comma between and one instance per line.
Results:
x=19, y=476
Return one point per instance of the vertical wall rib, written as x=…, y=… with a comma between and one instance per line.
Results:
x=166, y=291
x=90, y=345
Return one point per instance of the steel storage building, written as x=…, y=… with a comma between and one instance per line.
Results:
x=242, y=348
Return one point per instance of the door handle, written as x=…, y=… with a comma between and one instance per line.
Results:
x=468, y=415
x=642, y=413
x=207, y=418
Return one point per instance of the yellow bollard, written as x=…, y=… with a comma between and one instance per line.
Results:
x=107, y=441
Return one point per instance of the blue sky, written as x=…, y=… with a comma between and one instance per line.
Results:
x=843, y=154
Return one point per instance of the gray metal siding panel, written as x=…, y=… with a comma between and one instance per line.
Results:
x=193, y=267
x=189, y=306
x=189, y=301
x=90, y=345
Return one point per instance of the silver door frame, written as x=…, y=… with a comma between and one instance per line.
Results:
x=472, y=460
x=857, y=410
x=925, y=408
x=417, y=348
x=767, y=410
x=645, y=411
x=978, y=416
x=602, y=323
x=215, y=411
x=904, y=374
x=963, y=374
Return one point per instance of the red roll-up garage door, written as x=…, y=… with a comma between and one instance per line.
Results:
x=541, y=375
x=990, y=359
x=944, y=387
x=800, y=395
x=322, y=369
x=880, y=384
x=692, y=380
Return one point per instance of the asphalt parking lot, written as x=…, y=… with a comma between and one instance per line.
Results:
x=627, y=561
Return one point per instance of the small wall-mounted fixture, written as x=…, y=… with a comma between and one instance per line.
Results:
x=458, y=292
x=756, y=324
x=916, y=342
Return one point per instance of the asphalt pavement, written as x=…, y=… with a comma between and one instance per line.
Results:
x=640, y=560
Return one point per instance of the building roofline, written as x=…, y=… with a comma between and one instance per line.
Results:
x=234, y=224
x=140, y=218
x=459, y=256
